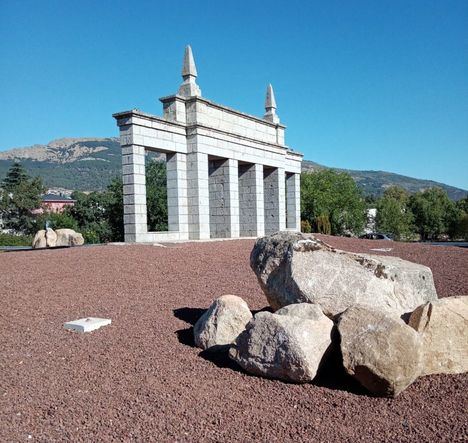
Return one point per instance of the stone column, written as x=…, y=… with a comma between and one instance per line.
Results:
x=134, y=193
x=251, y=215
x=224, y=198
x=232, y=194
x=293, y=201
x=274, y=197
x=258, y=189
x=177, y=205
x=282, y=198
x=198, y=196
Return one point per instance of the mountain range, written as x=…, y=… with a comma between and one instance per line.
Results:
x=89, y=164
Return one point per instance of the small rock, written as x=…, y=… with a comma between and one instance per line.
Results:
x=443, y=325
x=39, y=240
x=68, y=237
x=51, y=238
x=379, y=350
x=220, y=325
x=281, y=346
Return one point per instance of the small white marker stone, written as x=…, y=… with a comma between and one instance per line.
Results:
x=86, y=324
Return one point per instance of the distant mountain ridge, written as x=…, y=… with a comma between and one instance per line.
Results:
x=89, y=164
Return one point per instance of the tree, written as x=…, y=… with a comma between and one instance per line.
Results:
x=20, y=195
x=15, y=176
x=434, y=213
x=335, y=195
x=114, y=209
x=156, y=195
x=393, y=214
x=90, y=213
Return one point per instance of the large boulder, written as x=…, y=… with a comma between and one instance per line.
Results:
x=443, y=325
x=302, y=310
x=220, y=325
x=51, y=237
x=281, y=346
x=39, y=240
x=68, y=237
x=379, y=350
x=294, y=268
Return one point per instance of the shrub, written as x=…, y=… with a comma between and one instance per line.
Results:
x=323, y=225
x=57, y=220
x=15, y=240
x=305, y=226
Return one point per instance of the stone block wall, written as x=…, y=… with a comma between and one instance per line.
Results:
x=274, y=199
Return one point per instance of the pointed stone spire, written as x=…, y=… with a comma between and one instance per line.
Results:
x=189, y=87
x=270, y=105
x=189, y=67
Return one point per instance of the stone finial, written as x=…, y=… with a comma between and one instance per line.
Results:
x=189, y=87
x=270, y=105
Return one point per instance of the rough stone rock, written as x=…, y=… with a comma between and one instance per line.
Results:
x=281, y=346
x=295, y=268
x=51, y=237
x=220, y=325
x=68, y=237
x=39, y=240
x=379, y=350
x=302, y=310
x=443, y=325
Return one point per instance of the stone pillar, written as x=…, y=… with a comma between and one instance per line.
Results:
x=274, y=198
x=259, y=200
x=198, y=196
x=251, y=216
x=232, y=200
x=134, y=193
x=293, y=201
x=224, y=198
x=177, y=205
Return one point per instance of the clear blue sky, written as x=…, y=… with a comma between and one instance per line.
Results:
x=375, y=84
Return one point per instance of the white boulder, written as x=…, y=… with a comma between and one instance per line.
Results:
x=294, y=268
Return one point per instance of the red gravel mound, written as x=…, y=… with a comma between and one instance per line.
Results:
x=141, y=378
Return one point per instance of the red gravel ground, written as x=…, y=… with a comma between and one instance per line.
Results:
x=141, y=379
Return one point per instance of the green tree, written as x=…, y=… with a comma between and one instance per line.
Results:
x=156, y=195
x=57, y=220
x=434, y=213
x=393, y=213
x=332, y=194
x=114, y=209
x=19, y=196
x=15, y=176
x=462, y=204
x=90, y=213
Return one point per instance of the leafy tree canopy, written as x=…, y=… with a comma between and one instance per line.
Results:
x=434, y=213
x=393, y=214
x=332, y=194
x=19, y=196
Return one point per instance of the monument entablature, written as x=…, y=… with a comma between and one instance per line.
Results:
x=229, y=174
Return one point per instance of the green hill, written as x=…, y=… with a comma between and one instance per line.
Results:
x=89, y=164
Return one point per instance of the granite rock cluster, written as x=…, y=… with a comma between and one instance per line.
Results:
x=328, y=302
x=48, y=238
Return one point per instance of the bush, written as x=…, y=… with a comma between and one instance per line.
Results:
x=15, y=240
x=323, y=225
x=57, y=220
x=91, y=236
x=305, y=226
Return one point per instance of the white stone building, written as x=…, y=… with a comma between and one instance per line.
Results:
x=229, y=174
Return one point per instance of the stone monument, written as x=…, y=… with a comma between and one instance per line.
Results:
x=229, y=174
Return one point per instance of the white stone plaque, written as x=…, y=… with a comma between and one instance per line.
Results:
x=87, y=324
